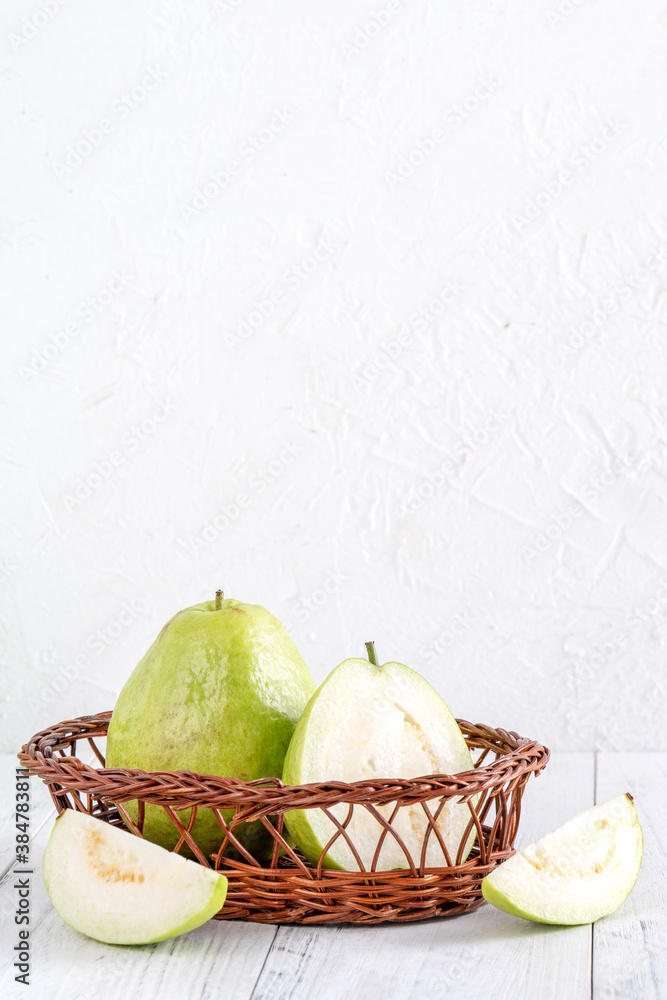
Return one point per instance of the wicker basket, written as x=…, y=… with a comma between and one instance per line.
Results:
x=287, y=889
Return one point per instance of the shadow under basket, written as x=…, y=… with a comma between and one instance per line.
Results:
x=285, y=888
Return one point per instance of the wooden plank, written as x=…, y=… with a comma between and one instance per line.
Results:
x=630, y=946
x=41, y=805
x=41, y=808
x=480, y=954
x=219, y=960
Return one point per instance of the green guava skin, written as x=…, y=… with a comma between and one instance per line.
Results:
x=219, y=692
x=501, y=902
x=215, y=904
x=296, y=820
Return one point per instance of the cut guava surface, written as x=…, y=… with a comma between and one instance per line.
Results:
x=582, y=871
x=120, y=889
x=371, y=721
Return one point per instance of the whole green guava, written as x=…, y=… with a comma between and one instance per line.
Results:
x=219, y=692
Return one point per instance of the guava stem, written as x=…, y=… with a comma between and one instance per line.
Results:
x=372, y=655
x=219, y=597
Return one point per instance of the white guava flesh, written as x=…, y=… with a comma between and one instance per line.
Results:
x=120, y=889
x=582, y=871
x=371, y=721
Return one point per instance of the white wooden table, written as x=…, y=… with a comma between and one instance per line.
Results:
x=481, y=954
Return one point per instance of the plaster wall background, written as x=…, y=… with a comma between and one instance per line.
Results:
x=356, y=310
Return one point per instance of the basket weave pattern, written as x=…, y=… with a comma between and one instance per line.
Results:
x=286, y=888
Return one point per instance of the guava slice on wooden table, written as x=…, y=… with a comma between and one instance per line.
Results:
x=373, y=721
x=120, y=889
x=582, y=871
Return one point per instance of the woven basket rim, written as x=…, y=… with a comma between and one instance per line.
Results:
x=37, y=755
x=291, y=889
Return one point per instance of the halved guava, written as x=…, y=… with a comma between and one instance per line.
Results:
x=582, y=871
x=120, y=889
x=372, y=721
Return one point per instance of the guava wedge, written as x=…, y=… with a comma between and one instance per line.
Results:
x=219, y=692
x=120, y=889
x=372, y=721
x=582, y=871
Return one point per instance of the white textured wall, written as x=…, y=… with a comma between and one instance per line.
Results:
x=359, y=310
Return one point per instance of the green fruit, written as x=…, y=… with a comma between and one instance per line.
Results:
x=577, y=874
x=371, y=721
x=121, y=889
x=219, y=692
